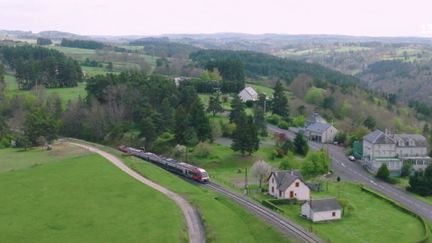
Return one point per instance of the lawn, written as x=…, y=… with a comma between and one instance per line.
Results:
x=81, y=199
x=370, y=220
x=224, y=220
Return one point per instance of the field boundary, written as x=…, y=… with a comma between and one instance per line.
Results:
x=426, y=227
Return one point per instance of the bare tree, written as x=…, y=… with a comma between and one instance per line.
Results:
x=260, y=169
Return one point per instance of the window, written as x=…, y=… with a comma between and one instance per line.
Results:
x=297, y=184
x=272, y=179
x=272, y=189
x=280, y=193
x=333, y=214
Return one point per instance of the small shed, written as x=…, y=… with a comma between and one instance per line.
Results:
x=321, y=209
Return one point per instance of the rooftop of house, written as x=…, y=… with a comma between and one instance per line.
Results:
x=285, y=178
x=401, y=140
x=323, y=205
x=318, y=127
x=250, y=91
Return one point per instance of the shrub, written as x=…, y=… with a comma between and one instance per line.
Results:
x=274, y=119
x=202, y=150
x=298, y=121
x=283, y=125
x=383, y=173
x=228, y=129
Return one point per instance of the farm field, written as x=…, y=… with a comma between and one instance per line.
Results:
x=369, y=220
x=224, y=220
x=69, y=195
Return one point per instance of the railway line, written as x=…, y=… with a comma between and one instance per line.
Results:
x=266, y=214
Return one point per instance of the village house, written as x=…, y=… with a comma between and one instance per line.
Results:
x=317, y=129
x=287, y=184
x=321, y=210
x=394, y=150
x=248, y=94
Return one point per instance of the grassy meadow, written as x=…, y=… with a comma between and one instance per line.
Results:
x=69, y=195
x=368, y=219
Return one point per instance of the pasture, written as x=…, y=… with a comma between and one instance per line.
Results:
x=69, y=195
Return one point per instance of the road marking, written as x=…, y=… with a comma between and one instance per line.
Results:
x=343, y=164
x=373, y=182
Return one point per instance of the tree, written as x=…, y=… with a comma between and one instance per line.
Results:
x=300, y=144
x=43, y=41
x=245, y=136
x=39, y=123
x=214, y=105
x=280, y=101
x=369, y=122
x=237, y=108
x=2, y=84
x=200, y=122
x=383, y=172
x=260, y=121
x=315, y=163
x=260, y=170
x=406, y=169
x=110, y=66
x=328, y=102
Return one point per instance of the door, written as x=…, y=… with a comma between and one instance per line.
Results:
x=291, y=195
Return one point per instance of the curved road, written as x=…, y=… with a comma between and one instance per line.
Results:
x=193, y=221
x=352, y=171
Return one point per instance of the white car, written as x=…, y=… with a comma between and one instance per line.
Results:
x=351, y=158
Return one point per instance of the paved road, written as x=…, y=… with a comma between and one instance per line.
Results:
x=353, y=171
x=193, y=221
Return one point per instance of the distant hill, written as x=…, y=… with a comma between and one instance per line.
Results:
x=259, y=64
x=163, y=47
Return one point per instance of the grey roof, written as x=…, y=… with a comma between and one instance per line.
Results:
x=318, y=127
x=322, y=205
x=315, y=117
x=285, y=178
x=419, y=140
x=378, y=137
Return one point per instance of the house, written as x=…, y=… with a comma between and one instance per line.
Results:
x=247, y=94
x=320, y=132
x=287, y=184
x=321, y=210
x=394, y=150
x=314, y=117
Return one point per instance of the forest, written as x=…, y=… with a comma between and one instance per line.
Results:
x=41, y=66
x=164, y=48
x=257, y=65
x=86, y=44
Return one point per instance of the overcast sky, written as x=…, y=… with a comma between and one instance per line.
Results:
x=131, y=17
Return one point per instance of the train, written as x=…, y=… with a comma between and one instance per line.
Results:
x=178, y=167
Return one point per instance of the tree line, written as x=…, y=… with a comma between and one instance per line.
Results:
x=85, y=44
x=41, y=66
x=259, y=64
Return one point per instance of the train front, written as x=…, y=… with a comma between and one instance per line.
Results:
x=204, y=175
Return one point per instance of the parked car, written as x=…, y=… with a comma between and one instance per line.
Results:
x=351, y=158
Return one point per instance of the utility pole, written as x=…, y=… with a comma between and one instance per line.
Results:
x=246, y=182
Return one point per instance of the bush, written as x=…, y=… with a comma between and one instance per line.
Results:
x=228, y=129
x=283, y=125
x=202, y=150
x=274, y=119
x=298, y=121
x=383, y=173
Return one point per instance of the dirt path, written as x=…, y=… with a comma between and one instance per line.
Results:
x=195, y=229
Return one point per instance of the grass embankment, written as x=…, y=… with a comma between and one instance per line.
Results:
x=369, y=220
x=224, y=220
x=68, y=195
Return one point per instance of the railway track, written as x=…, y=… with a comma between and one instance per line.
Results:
x=278, y=221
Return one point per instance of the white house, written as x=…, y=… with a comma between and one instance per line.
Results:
x=286, y=184
x=321, y=132
x=321, y=210
x=394, y=150
x=247, y=94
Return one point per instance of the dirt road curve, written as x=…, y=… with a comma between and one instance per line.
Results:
x=195, y=229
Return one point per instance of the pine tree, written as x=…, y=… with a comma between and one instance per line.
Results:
x=245, y=137
x=300, y=144
x=199, y=121
x=181, y=125
x=237, y=108
x=280, y=101
x=260, y=121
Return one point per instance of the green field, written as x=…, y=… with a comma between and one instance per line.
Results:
x=76, y=197
x=370, y=220
x=224, y=220
x=66, y=94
